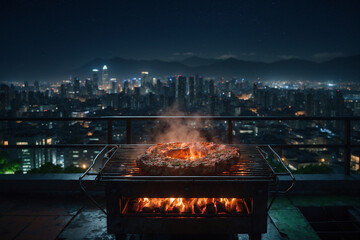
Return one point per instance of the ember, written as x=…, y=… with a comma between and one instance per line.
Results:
x=187, y=205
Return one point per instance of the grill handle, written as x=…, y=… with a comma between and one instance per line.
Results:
x=98, y=156
x=265, y=156
x=288, y=172
x=286, y=168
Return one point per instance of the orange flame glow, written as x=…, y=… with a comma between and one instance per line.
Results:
x=188, y=205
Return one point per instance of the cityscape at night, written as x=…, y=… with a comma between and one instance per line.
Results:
x=99, y=92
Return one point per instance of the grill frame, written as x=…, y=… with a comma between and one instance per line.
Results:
x=118, y=186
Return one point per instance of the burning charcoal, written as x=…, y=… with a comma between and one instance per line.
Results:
x=157, y=209
x=197, y=209
x=233, y=206
x=220, y=207
x=147, y=210
x=210, y=208
x=176, y=210
x=188, y=209
x=163, y=206
x=239, y=206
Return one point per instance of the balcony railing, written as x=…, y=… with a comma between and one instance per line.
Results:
x=347, y=144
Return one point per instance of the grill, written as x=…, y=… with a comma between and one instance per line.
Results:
x=243, y=189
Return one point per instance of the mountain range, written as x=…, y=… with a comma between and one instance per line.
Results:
x=337, y=69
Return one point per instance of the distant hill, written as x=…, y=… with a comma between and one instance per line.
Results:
x=345, y=68
x=342, y=68
x=195, y=61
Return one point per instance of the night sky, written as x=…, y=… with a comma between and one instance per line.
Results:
x=66, y=34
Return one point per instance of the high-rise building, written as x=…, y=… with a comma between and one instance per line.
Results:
x=114, y=86
x=76, y=86
x=191, y=89
x=105, y=78
x=89, y=87
x=95, y=80
x=255, y=90
x=126, y=87
x=199, y=89
x=181, y=90
x=145, y=79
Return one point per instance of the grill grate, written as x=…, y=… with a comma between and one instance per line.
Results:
x=123, y=163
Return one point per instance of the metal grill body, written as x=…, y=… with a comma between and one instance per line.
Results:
x=248, y=179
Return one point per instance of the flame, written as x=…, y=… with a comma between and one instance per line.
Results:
x=188, y=205
x=191, y=151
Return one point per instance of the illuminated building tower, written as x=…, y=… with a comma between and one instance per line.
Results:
x=114, y=88
x=89, y=87
x=191, y=89
x=105, y=78
x=76, y=86
x=126, y=87
x=181, y=90
x=145, y=79
x=95, y=79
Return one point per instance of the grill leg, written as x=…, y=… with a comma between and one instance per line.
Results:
x=255, y=236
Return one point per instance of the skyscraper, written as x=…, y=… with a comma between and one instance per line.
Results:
x=191, y=89
x=89, y=87
x=76, y=86
x=105, y=78
x=95, y=79
x=145, y=79
x=114, y=86
x=181, y=90
x=199, y=89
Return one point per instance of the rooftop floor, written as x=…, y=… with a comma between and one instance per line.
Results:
x=65, y=217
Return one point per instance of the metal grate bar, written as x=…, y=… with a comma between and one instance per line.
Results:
x=123, y=164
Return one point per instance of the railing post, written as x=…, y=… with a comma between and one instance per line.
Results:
x=128, y=131
x=110, y=132
x=347, y=140
x=230, y=130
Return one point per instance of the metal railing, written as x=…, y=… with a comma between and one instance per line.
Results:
x=347, y=145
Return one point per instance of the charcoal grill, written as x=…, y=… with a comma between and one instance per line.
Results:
x=248, y=181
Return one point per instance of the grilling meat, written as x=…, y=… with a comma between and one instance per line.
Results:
x=180, y=159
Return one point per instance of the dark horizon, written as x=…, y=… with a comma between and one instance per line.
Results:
x=59, y=35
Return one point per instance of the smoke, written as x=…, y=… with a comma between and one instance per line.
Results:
x=177, y=130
